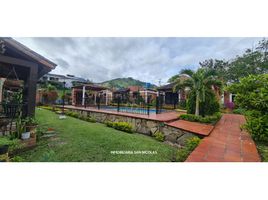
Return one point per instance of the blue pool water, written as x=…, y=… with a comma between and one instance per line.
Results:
x=133, y=110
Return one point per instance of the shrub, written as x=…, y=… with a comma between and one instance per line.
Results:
x=208, y=107
x=257, y=125
x=109, y=124
x=122, y=126
x=207, y=119
x=190, y=145
x=13, y=144
x=17, y=159
x=72, y=114
x=91, y=119
x=240, y=111
x=159, y=136
x=252, y=95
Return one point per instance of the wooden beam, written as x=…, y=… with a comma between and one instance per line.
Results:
x=17, y=61
x=31, y=82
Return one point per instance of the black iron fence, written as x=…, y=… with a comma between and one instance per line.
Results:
x=119, y=104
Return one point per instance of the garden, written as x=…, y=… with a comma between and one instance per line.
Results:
x=77, y=139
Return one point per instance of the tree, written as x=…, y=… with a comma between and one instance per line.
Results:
x=252, y=61
x=220, y=66
x=199, y=81
x=50, y=94
x=252, y=95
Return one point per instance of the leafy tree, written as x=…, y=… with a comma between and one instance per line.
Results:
x=220, y=66
x=199, y=82
x=252, y=95
x=252, y=61
x=50, y=94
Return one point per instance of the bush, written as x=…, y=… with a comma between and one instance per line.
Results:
x=190, y=145
x=159, y=136
x=109, y=124
x=207, y=119
x=257, y=125
x=72, y=114
x=252, y=96
x=91, y=119
x=240, y=111
x=13, y=144
x=122, y=126
x=17, y=159
x=208, y=107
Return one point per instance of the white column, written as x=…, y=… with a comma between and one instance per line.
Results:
x=2, y=80
x=179, y=95
x=230, y=97
x=146, y=96
x=95, y=98
x=83, y=95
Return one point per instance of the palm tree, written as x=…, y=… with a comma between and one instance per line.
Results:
x=198, y=81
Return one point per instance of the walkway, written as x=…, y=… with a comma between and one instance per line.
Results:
x=194, y=127
x=226, y=143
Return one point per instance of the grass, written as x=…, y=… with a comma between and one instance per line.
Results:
x=79, y=140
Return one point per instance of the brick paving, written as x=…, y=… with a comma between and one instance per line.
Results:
x=226, y=143
x=194, y=127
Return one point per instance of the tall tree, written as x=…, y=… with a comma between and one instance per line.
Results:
x=199, y=81
x=220, y=66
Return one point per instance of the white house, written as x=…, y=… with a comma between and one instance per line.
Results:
x=68, y=79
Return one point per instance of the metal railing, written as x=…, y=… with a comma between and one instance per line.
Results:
x=152, y=106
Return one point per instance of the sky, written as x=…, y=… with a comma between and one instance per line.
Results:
x=145, y=59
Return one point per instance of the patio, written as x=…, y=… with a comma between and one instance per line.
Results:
x=20, y=69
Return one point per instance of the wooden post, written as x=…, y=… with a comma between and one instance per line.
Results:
x=31, y=90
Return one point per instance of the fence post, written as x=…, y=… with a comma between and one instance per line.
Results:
x=118, y=104
x=148, y=105
x=98, y=102
x=157, y=105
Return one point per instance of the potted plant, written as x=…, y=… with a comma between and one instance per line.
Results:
x=30, y=125
x=13, y=83
x=21, y=130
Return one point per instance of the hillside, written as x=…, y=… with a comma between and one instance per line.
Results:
x=125, y=82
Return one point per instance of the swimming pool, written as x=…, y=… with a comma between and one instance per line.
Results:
x=133, y=110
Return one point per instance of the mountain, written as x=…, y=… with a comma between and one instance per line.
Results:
x=125, y=82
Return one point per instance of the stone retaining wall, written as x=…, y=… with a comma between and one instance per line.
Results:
x=173, y=136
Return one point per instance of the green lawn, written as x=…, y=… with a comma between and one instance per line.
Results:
x=79, y=140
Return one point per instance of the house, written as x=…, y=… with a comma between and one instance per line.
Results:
x=169, y=97
x=68, y=79
x=21, y=67
x=145, y=93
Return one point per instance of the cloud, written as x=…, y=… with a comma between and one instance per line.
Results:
x=146, y=59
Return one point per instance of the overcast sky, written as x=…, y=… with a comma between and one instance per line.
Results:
x=146, y=59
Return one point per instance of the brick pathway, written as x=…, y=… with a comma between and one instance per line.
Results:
x=194, y=127
x=226, y=143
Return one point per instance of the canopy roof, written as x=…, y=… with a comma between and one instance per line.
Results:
x=92, y=87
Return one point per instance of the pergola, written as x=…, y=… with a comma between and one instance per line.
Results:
x=79, y=93
x=28, y=65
